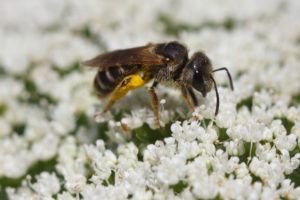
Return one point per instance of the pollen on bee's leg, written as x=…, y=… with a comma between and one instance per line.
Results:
x=128, y=83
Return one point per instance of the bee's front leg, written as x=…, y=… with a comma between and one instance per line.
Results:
x=193, y=96
x=189, y=96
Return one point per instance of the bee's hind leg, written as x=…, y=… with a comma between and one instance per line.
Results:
x=128, y=83
x=154, y=102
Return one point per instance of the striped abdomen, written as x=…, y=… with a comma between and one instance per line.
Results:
x=106, y=80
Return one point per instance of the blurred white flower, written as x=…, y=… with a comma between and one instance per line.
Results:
x=63, y=119
x=206, y=187
x=75, y=183
x=65, y=196
x=46, y=184
x=287, y=142
x=5, y=128
x=235, y=147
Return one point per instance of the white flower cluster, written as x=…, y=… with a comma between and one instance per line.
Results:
x=53, y=148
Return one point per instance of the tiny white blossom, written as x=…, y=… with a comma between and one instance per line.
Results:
x=5, y=128
x=287, y=142
x=47, y=184
x=65, y=196
x=170, y=171
x=102, y=160
x=63, y=119
x=206, y=187
x=187, y=131
x=235, y=147
x=75, y=183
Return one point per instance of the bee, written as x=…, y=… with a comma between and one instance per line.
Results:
x=123, y=70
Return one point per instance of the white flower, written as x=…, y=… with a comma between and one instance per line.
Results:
x=206, y=187
x=171, y=170
x=266, y=152
x=295, y=161
x=272, y=172
x=242, y=171
x=75, y=183
x=235, y=147
x=287, y=142
x=277, y=128
x=136, y=119
x=262, y=114
x=189, y=149
x=63, y=119
x=15, y=165
x=262, y=98
x=250, y=131
x=127, y=156
x=67, y=151
x=92, y=192
x=289, y=164
x=51, y=142
x=102, y=160
x=9, y=89
x=187, y=131
x=45, y=78
x=65, y=196
x=47, y=184
x=5, y=128
x=154, y=153
x=25, y=193
x=296, y=129
x=142, y=195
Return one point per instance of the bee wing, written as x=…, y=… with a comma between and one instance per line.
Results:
x=133, y=56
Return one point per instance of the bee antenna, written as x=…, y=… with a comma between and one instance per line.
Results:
x=228, y=74
x=217, y=96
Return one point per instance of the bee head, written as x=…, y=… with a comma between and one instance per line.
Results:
x=198, y=73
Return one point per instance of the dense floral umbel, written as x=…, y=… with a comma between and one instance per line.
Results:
x=53, y=148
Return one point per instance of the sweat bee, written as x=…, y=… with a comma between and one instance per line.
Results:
x=123, y=70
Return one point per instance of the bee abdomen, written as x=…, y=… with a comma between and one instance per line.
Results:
x=105, y=81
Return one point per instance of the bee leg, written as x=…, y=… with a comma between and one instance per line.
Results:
x=187, y=95
x=193, y=96
x=154, y=102
x=128, y=83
